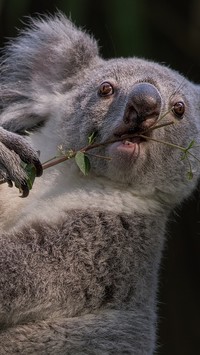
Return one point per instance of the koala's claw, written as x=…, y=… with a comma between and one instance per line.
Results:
x=38, y=166
x=20, y=146
x=23, y=186
x=13, y=150
x=25, y=190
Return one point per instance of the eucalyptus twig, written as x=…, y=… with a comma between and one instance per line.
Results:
x=83, y=161
x=99, y=156
x=71, y=154
x=186, y=151
x=81, y=155
x=152, y=128
x=56, y=160
x=164, y=114
x=163, y=142
x=183, y=149
x=194, y=156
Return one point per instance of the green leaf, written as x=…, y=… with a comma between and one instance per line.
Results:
x=31, y=174
x=184, y=155
x=91, y=138
x=190, y=175
x=83, y=162
x=191, y=144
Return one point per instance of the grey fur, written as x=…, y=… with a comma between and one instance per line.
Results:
x=79, y=274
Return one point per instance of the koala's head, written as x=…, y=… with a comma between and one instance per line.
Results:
x=122, y=97
x=59, y=79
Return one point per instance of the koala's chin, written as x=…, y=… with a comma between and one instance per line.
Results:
x=124, y=164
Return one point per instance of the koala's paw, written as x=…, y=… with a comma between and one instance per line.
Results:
x=13, y=150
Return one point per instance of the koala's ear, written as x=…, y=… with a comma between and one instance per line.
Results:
x=46, y=58
x=51, y=50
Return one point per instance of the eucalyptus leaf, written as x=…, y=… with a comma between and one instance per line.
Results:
x=91, y=138
x=190, y=175
x=31, y=172
x=191, y=144
x=184, y=155
x=83, y=162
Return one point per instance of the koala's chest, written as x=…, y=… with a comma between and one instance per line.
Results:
x=9, y=207
x=54, y=193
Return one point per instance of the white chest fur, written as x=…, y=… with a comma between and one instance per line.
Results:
x=65, y=189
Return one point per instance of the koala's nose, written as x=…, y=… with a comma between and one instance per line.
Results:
x=144, y=103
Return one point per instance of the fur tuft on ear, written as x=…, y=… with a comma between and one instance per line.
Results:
x=46, y=59
x=51, y=46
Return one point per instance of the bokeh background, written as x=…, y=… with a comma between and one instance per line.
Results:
x=167, y=31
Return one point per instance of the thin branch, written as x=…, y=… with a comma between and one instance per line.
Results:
x=99, y=156
x=163, y=142
x=85, y=149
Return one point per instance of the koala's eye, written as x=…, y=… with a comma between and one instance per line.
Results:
x=179, y=109
x=106, y=89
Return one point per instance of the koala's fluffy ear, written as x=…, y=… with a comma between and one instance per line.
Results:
x=51, y=50
x=46, y=59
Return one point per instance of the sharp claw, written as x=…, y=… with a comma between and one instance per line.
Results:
x=4, y=180
x=25, y=190
x=10, y=184
x=38, y=166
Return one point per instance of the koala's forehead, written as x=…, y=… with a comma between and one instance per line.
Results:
x=127, y=72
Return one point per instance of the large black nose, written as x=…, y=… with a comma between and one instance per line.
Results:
x=144, y=103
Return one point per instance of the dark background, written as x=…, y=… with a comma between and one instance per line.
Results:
x=169, y=32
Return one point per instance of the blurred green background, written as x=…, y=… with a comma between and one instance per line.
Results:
x=166, y=31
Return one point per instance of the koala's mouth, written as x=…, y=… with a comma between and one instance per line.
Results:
x=130, y=137
x=128, y=143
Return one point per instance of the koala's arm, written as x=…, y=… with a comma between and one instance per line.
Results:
x=13, y=150
x=31, y=86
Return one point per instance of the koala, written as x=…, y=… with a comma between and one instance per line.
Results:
x=80, y=255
